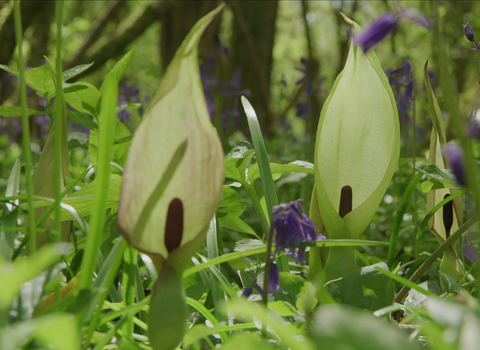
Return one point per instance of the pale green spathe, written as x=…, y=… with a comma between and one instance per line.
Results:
x=358, y=143
x=178, y=113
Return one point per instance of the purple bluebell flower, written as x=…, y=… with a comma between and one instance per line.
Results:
x=470, y=36
x=402, y=83
x=473, y=125
x=454, y=153
x=377, y=31
x=247, y=292
x=293, y=228
x=274, y=279
x=416, y=16
x=471, y=253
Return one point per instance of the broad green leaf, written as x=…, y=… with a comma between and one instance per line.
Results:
x=287, y=335
x=70, y=73
x=58, y=330
x=122, y=137
x=25, y=269
x=83, y=97
x=279, y=169
x=343, y=327
x=82, y=119
x=283, y=308
x=11, y=111
x=291, y=285
x=366, y=288
x=82, y=201
x=177, y=113
x=434, y=184
x=443, y=175
x=230, y=209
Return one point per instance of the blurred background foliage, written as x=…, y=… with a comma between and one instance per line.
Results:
x=284, y=55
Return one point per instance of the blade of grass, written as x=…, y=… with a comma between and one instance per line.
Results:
x=130, y=261
x=260, y=250
x=432, y=258
x=208, y=315
x=265, y=171
x=59, y=119
x=262, y=157
x=397, y=224
x=212, y=252
x=109, y=102
x=106, y=276
x=25, y=128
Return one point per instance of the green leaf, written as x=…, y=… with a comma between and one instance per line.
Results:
x=366, y=288
x=445, y=175
x=119, y=69
x=434, y=184
x=297, y=166
x=82, y=119
x=287, y=335
x=230, y=209
x=397, y=224
x=25, y=269
x=70, y=73
x=262, y=157
x=342, y=327
x=82, y=201
x=282, y=308
x=290, y=284
x=9, y=215
x=12, y=111
x=83, y=97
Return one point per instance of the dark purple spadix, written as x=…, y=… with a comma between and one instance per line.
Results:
x=174, y=225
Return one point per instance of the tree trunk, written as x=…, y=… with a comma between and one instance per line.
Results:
x=177, y=22
x=251, y=50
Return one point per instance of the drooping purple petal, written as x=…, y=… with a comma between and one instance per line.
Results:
x=273, y=279
x=377, y=31
x=454, y=154
x=416, y=16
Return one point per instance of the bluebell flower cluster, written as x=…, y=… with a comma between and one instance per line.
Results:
x=293, y=227
x=231, y=90
x=312, y=87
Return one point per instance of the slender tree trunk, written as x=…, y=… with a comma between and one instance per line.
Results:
x=251, y=50
x=177, y=22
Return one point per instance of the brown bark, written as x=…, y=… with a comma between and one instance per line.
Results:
x=117, y=43
x=177, y=22
x=251, y=50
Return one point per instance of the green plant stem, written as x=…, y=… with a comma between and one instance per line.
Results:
x=130, y=261
x=25, y=128
x=108, y=117
x=432, y=258
x=268, y=262
x=258, y=208
x=59, y=119
x=340, y=262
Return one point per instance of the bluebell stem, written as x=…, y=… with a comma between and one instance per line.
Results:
x=470, y=36
x=292, y=228
x=377, y=31
x=454, y=154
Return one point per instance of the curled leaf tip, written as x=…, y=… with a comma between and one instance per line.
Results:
x=174, y=225
x=347, y=19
